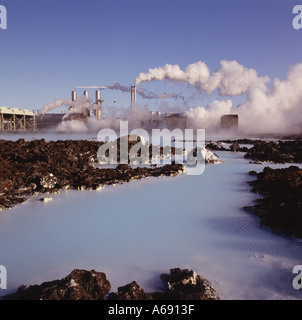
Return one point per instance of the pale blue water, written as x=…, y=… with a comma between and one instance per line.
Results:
x=137, y=231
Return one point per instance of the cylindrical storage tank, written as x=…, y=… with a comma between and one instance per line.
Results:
x=98, y=97
x=98, y=101
x=73, y=95
x=98, y=113
x=86, y=110
x=73, y=98
x=85, y=93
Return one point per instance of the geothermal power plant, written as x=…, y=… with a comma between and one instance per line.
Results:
x=16, y=120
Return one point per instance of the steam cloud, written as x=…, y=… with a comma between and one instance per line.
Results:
x=81, y=103
x=230, y=79
x=77, y=106
x=266, y=109
x=52, y=105
x=270, y=105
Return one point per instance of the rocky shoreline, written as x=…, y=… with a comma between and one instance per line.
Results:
x=278, y=152
x=280, y=207
x=274, y=151
x=180, y=284
x=38, y=166
x=29, y=168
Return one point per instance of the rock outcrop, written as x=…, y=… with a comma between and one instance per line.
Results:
x=78, y=285
x=45, y=167
x=92, y=285
x=280, y=207
x=234, y=145
x=38, y=166
x=278, y=152
x=185, y=284
x=131, y=291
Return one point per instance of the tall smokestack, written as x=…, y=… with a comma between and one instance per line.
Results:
x=133, y=99
x=86, y=110
x=132, y=95
x=98, y=102
x=73, y=97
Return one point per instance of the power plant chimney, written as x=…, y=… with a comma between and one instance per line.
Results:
x=135, y=95
x=133, y=99
x=131, y=95
x=98, y=102
x=86, y=110
x=73, y=95
x=73, y=98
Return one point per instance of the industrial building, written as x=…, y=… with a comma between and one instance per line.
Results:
x=155, y=119
x=86, y=113
x=229, y=122
x=15, y=119
x=176, y=120
x=168, y=120
x=48, y=120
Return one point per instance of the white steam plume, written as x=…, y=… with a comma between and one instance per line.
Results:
x=77, y=106
x=52, y=105
x=275, y=109
x=82, y=103
x=209, y=117
x=230, y=79
x=272, y=108
x=266, y=110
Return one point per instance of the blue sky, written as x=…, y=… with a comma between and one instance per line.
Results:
x=52, y=46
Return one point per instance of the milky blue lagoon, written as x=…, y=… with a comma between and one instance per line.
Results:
x=138, y=230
